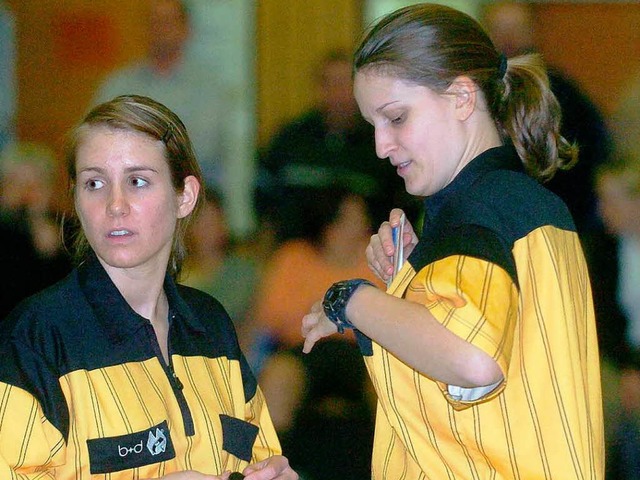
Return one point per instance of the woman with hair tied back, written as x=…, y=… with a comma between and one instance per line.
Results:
x=483, y=348
x=117, y=371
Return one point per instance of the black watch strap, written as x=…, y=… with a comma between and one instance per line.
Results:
x=336, y=299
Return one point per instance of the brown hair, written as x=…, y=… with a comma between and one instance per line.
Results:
x=134, y=113
x=431, y=45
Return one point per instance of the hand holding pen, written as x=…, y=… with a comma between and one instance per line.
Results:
x=382, y=255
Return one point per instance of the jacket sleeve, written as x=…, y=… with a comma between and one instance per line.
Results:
x=267, y=443
x=257, y=413
x=30, y=445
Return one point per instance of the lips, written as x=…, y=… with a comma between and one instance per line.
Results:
x=400, y=167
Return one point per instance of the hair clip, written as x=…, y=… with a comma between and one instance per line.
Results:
x=167, y=134
x=502, y=66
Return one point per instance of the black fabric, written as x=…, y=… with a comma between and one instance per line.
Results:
x=136, y=449
x=583, y=124
x=83, y=322
x=601, y=251
x=489, y=206
x=238, y=437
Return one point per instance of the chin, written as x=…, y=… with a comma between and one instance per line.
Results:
x=121, y=264
x=413, y=190
x=119, y=260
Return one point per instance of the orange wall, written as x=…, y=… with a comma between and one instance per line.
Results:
x=598, y=44
x=64, y=49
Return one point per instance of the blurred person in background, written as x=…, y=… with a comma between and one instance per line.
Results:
x=171, y=74
x=324, y=415
x=616, y=261
x=337, y=227
x=617, y=287
x=625, y=119
x=512, y=27
x=32, y=254
x=217, y=265
x=329, y=144
x=323, y=408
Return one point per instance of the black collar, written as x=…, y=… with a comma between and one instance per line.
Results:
x=115, y=315
x=496, y=158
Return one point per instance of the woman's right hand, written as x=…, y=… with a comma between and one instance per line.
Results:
x=275, y=467
x=381, y=248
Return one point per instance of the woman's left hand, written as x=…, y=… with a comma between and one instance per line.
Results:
x=273, y=468
x=315, y=326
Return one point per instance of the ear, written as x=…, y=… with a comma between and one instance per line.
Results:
x=465, y=91
x=188, y=198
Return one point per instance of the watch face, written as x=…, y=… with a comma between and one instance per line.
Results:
x=334, y=301
x=333, y=295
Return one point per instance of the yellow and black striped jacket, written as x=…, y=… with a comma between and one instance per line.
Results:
x=85, y=394
x=499, y=264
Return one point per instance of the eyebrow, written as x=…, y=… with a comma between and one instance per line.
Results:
x=133, y=169
x=382, y=107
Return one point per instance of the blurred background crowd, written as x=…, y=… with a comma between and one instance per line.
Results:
x=294, y=188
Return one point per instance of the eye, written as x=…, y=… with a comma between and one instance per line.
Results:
x=93, y=184
x=138, y=182
x=397, y=120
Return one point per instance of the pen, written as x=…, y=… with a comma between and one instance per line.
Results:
x=398, y=254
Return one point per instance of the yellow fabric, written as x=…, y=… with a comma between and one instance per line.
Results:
x=545, y=420
x=128, y=398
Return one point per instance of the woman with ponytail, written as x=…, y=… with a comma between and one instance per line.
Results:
x=483, y=348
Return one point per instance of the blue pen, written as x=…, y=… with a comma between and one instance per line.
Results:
x=398, y=254
x=394, y=232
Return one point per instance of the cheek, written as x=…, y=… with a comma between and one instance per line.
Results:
x=164, y=215
x=81, y=211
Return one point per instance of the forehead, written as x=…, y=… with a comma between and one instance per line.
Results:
x=371, y=82
x=374, y=88
x=103, y=142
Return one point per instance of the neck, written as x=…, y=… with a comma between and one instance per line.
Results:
x=150, y=303
x=482, y=134
x=142, y=288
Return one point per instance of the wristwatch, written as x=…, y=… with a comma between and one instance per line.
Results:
x=336, y=299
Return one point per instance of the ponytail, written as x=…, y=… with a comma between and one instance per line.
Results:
x=529, y=115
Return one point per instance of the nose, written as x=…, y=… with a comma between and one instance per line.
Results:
x=384, y=143
x=118, y=204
